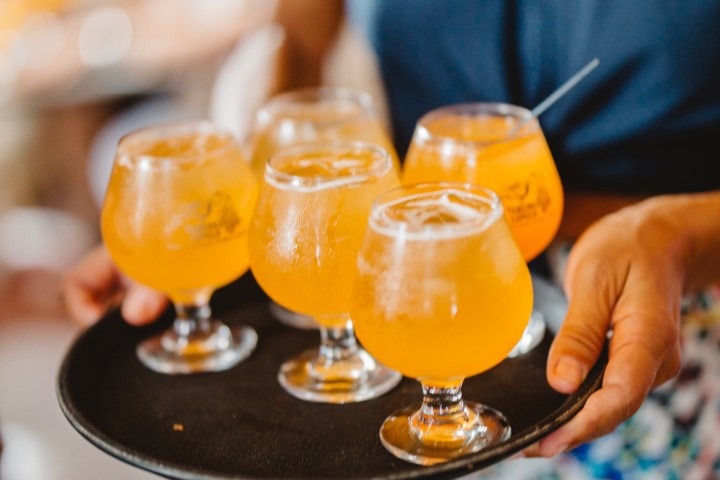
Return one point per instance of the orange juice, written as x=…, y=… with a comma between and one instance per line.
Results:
x=311, y=214
x=315, y=115
x=442, y=291
x=452, y=144
x=177, y=212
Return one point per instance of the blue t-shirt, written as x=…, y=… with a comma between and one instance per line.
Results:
x=647, y=120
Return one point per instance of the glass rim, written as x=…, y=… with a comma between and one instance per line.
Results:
x=154, y=132
x=381, y=223
x=288, y=181
x=272, y=110
x=497, y=109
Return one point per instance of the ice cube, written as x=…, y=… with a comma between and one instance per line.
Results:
x=445, y=208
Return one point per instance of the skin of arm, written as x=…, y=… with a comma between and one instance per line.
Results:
x=627, y=273
x=311, y=27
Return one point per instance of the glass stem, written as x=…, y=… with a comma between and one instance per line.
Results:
x=191, y=320
x=337, y=343
x=442, y=404
x=443, y=420
x=193, y=330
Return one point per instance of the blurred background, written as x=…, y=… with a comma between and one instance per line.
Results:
x=75, y=75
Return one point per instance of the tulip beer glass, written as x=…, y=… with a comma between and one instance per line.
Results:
x=313, y=115
x=501, y=147
x=175, y=218
x=442, y=293
x=311, y=214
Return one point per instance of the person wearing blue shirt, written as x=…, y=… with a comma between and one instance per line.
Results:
x=634, y=143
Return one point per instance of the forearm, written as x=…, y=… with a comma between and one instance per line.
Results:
x=686, y=228
x=311, y=27
x=699, y=217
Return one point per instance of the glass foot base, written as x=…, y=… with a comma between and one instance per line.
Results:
x=400, y=438
x=531, y=337
x=292, y=319
x=353, y=379
x=222, y=349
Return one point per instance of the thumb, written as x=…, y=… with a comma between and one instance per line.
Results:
x=581, y=338
x=142, y=304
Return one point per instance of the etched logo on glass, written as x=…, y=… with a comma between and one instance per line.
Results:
x=526, y=200
x=202, y=222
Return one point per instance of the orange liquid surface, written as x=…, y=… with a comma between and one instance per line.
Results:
x=311, y=123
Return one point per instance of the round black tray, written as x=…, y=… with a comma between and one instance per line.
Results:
x=240, y=424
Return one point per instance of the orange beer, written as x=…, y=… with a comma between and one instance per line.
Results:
x=442, y=291
x=315, y=115
x=306, y=231
x=480, y=144
x=177, y=211
x=176, y=217
x=310, y=218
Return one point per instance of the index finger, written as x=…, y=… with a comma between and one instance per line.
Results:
x=643, y=336
x=625, y=385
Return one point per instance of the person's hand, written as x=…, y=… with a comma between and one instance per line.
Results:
x=94, y=285
x=626, y=274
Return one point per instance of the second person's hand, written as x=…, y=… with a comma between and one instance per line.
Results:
x=94, y=285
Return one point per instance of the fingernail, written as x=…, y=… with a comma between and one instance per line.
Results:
x=569, y=373
x=133, y=308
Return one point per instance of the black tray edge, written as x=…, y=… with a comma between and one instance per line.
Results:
x=452, y=469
